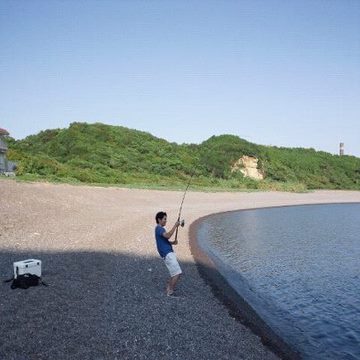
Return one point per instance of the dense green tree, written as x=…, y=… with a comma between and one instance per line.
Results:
x=99, y=153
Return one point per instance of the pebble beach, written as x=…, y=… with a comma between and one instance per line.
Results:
x=106, y=295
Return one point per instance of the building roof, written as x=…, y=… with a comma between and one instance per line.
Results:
x=3, y=132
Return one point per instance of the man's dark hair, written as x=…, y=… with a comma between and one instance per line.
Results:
x=160, y=215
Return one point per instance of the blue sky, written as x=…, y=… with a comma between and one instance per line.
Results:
x=275, y=72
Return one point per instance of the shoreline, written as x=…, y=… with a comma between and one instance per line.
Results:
x=238, y=307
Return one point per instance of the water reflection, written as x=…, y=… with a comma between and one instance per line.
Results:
x=298, y=266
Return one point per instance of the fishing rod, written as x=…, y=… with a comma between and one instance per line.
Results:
x=182, y=223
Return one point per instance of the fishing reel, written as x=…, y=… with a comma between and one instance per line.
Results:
x=182, y=223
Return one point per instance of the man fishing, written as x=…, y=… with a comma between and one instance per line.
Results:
x=165, y=249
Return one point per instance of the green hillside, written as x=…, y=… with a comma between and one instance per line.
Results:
x=104, y=154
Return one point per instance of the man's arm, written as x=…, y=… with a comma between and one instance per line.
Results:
x=170, y=233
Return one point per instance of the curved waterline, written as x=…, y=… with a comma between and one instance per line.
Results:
x=219, y=278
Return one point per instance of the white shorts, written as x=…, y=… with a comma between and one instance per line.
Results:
x=172, y=264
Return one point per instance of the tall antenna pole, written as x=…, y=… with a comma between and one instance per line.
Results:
x=341, y=153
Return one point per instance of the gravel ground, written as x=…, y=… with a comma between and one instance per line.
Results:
x=105, y=298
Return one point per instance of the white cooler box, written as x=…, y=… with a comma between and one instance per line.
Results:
x=29, y=266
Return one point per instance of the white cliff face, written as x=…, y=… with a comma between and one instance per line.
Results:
x=248, y=166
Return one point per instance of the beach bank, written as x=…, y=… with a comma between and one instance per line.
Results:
x=106, y=296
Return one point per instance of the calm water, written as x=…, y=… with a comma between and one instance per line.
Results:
x=299, y=267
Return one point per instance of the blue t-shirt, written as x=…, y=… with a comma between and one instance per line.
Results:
x=163, y=245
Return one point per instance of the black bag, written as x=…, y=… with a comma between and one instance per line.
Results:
x=26, y=280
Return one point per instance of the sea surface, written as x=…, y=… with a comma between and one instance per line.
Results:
x=299, y=268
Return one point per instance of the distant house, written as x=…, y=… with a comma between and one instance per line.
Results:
x=6, y=167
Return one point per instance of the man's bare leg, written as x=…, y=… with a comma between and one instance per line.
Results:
x=171, y=284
